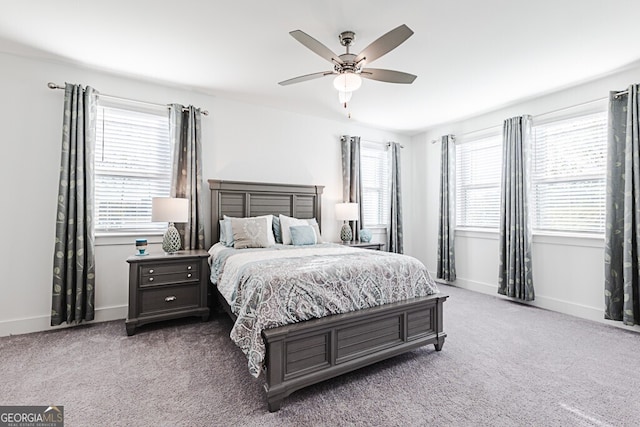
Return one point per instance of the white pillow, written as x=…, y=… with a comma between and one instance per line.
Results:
x=285, y=223
x=313, y=223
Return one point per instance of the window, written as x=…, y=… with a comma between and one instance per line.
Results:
x=374, y=162
x=568, y=174
x=478, y=169
x=132, y=165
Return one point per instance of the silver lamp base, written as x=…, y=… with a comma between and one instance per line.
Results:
x=171, y=240
x=345, y=233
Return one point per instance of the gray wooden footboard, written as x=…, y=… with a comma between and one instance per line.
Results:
x=309, y=352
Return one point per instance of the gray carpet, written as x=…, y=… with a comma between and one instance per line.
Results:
x=503, y=364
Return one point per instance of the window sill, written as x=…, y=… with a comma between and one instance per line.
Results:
x=127, y=238
x=569, y=239
x=478, y=233
x=546, y=238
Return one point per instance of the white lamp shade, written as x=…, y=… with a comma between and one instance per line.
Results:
x=347, y=82
x=169, y=209
x=347, y=212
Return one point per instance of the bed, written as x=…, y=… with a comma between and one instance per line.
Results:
x=307, y=352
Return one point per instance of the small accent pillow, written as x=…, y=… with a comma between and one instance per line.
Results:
x=277, y=230
x=226, y=232
x=302, y=235
x=223, y=234
x=250, y=232
x=285, y=223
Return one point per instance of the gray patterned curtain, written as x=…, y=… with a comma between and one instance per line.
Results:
x=394, y=234
x=515, y=276
x=446, y=226
x=187, y=171
x=622, y=235
x=351, y=177
x=73, y=295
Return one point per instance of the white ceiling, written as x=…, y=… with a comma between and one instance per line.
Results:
x=470, y=56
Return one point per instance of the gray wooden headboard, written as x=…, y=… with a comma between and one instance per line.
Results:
x=244, y=199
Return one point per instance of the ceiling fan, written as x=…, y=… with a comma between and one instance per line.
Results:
x=349, y=68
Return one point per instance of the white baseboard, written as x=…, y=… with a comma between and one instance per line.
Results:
x=43, y=323
x=472, y=285
x=541, y=301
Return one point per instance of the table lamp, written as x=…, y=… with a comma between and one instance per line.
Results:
x=171, y=210
x=347, y=212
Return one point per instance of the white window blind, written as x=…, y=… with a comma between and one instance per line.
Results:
x=478, y=170
x=132, y=165
x=374, y=167
x=568, y=174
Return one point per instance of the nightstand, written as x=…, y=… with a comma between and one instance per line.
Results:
x=365, y=245
x=163, y=287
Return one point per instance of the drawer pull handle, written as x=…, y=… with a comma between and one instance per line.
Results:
x=188, y=267
x=151, y=271
x=189, y=275
x=170, y=298
x=151, y=279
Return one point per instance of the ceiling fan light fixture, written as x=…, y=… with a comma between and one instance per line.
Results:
x=347, y=82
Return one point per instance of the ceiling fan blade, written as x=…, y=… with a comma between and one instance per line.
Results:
x=384, y=44
x=305, y=78
x=316, y=46
x=389, y=76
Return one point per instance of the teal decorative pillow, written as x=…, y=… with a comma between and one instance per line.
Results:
x=226, y=232
x=302, y=235
x=223, y=234
x=277, y=230
x=286, y=222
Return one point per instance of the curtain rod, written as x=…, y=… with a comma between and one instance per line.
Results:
x=471, y=132
x=438, y=140
x=544, y=114
x=51, y=85
x=572, y=106
x=388, y=144
x=622, y=92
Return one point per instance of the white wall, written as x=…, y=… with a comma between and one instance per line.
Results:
x=568, y=271
x=240, y=142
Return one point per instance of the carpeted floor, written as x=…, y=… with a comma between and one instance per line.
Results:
x=503, y=364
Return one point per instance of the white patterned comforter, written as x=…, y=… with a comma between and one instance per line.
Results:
x=281, y=285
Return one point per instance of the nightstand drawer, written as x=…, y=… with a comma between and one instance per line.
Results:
x=169, y=298
x=373, y=246
x=365, y=245
x=153, y=269
x=160, y=279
